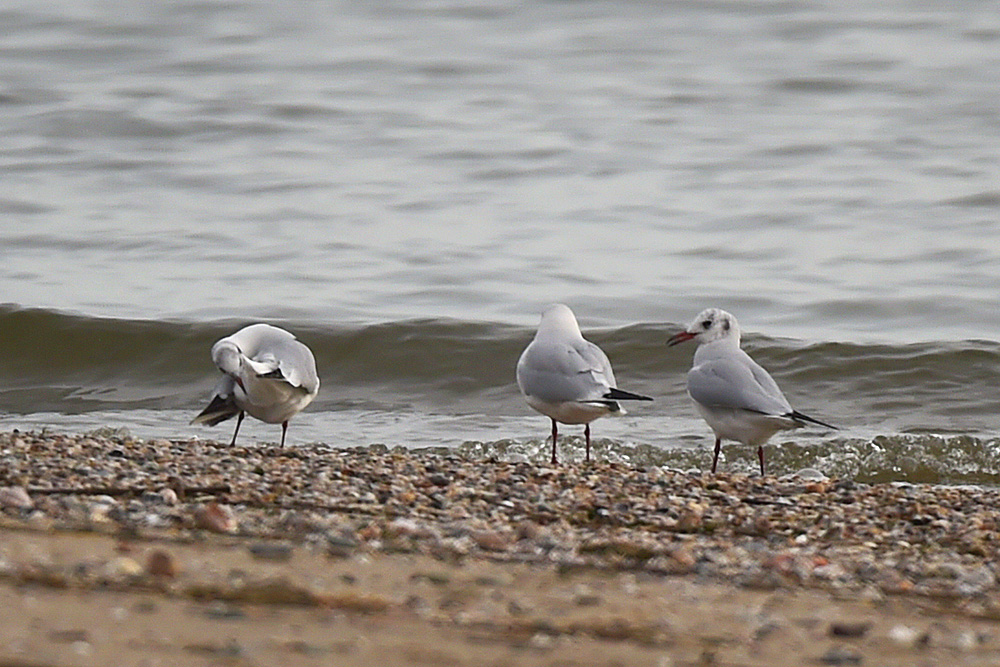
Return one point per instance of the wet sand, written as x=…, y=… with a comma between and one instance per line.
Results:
x=119, y=551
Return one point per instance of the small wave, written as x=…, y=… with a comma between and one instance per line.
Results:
x=925, y=459
x=818, y=85
x=54, y=361
x=987, y=199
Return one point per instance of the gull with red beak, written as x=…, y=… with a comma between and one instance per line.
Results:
x=267, y=374
x=566, y=377
x=737, y=398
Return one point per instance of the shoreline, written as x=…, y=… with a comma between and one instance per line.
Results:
x=416, y=557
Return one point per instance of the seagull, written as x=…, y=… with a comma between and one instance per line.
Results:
x=737, y=398
x=266, y=373
x=568, y=378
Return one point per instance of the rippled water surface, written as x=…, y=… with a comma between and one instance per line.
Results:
x=406, y=185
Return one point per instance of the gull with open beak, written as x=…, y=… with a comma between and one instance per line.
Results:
x=737, y=398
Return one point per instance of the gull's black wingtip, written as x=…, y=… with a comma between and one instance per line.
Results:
x=622, y=395
x=219, y=410
x=798, y=416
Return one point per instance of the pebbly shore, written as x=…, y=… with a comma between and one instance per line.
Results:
x=934, y=542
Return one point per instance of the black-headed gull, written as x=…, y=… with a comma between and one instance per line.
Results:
x=566, y=377
x=267, y=373
x=737, y=398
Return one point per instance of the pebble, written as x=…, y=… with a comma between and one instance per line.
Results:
x=340, y=545
x=224, y=611
x=811, y=475
x=15, y=497
x=215, y=517
x=841, y=656
x=122, y=567
x=587, y=600
x=489, y=540
x=277, y=552
x=168, y=496
x=905, y=636
x=403, y=528
x=69, y=636
x=439, y=480
x=850, y=628
x=161, y=564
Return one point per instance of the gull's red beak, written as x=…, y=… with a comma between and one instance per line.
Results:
x=680, y=338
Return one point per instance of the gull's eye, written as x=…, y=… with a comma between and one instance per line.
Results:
x=707, y=324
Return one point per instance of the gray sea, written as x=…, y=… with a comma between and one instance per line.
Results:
x=406, y=185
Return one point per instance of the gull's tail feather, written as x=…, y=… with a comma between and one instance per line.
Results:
x=799, y=417
x=622, y=395
x=219, y=410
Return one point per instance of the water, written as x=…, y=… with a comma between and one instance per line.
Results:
x=406, y=185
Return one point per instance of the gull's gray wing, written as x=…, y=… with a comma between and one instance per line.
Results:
x=298, y=365
x=558, y=371
x=729, y=382
x=286, y=359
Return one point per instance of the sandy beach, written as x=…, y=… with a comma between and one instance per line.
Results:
x=115, y=550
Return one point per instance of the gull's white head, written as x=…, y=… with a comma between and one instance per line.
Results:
x=227, y=357
x=712, y=324
x=558, y=319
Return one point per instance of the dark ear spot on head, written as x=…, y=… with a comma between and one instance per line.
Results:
x=725, y=324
